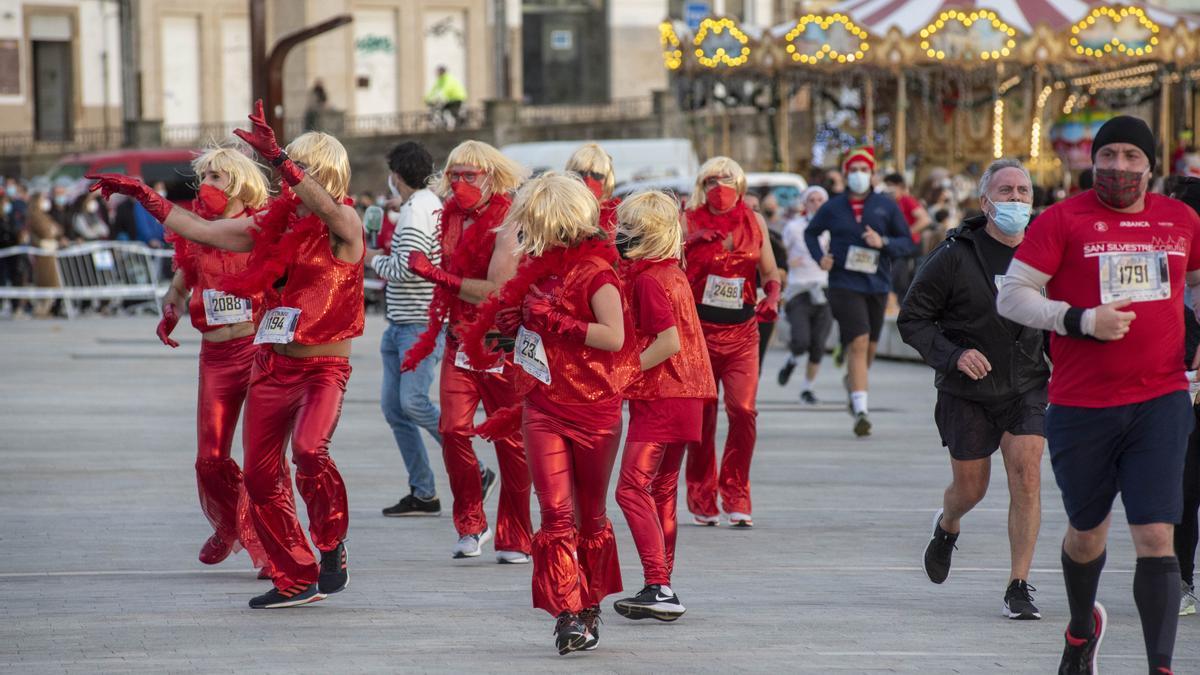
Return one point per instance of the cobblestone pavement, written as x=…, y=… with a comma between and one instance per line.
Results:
x=100, y=530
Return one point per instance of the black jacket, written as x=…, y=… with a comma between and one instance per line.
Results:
x=951, y=307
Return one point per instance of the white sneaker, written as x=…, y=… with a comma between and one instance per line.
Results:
x=470, y=545
x=740, y=520
x=1187, y=601
x=706, y=521
x=512, y=558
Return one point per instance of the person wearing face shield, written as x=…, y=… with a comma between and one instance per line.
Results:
x=989, y=373
x=867, y=233
x=1113, y=262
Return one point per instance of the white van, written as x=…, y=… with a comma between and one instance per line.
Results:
x=633, y=159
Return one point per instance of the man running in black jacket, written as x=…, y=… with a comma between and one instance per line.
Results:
x=990, y=375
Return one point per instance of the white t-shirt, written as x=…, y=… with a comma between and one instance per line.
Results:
x=804, y=273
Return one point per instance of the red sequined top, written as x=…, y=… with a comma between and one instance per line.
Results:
x=327, y=291
x=579, y=374
x=204, y=267
x=687, y=373
x=467, y=251
x=712, y=258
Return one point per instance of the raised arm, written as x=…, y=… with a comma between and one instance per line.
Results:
x=231, y=234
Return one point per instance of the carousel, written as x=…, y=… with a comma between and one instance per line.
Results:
x=954, y=83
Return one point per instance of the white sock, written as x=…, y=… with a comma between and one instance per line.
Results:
x=858, y=399
x=808, y=385
x=666, y=590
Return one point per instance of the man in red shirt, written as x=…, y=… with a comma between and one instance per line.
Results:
x=1113, y=261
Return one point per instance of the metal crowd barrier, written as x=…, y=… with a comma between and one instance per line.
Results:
x=109, y=270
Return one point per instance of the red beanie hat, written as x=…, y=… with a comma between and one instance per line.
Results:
x=863, y=154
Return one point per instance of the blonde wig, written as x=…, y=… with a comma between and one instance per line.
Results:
x=504, y=175
x=246, y=180
x=324, y=158
x=719, y=166
x=592, y=157
x=552, y=210
x=650, y=222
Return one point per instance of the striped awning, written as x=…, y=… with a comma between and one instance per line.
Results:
x=910, y=16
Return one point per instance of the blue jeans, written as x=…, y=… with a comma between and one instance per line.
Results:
x=406, y=405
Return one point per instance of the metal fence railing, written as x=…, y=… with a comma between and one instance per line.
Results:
x=110, y=270
x=617, y=109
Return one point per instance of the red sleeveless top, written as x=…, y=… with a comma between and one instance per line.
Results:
x=204, y=267
x=327, y=291
x=712, y=258
x=688, y=372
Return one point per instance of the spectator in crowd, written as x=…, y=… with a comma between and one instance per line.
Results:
x=88, y=218
x=47, y=235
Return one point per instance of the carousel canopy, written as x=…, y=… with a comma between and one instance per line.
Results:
x=910, y=16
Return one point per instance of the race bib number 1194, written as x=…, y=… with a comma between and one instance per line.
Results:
x=278, y=326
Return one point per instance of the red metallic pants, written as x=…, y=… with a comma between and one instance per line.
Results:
x=733, y=350
x=300, y=398
x=224, y=378
x=574, y=551
x=460, y=394
x=646, y=492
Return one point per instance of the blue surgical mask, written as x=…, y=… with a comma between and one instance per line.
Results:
x=1011, y=217
x=859, y=182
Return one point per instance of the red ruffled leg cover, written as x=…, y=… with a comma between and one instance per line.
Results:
x=597, y=547
x=459, y=396
x=665, y=489
x=514, y=527
x=639, y=468
x=558, y=581
x=317, y=478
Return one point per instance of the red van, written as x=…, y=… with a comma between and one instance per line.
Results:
x=172, y=166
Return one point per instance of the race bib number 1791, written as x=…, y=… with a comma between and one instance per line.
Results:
x=1138, y=277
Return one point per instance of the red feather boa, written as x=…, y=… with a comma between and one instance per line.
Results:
x=506, y=422
x=698, y=254
x=459, y=257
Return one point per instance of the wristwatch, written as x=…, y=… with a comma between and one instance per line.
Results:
x=280, y=159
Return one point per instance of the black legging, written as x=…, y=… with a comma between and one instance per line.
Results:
x=1187, y=532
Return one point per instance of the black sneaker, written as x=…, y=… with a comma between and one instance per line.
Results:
x=1080, y=655
x=292, y=596
x=334, y=575
x=808, y=398
x=569, y=634
x=1018, y=603
x=590, y=616
x=937, y=553
x=652, y=602
x=488, y=480
x=413, y=505
x=862, y=425
x=785, y=373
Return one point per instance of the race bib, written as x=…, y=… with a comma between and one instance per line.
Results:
x=221, y=309
x=865, y=260
x=1193, y=385
x=724, y=292
x=1138, y=277
x=531, y=355
x=278, y=326
x=460, y=360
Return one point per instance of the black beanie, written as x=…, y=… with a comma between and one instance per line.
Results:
x=1125, y=129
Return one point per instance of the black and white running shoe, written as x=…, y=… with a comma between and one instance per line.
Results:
x=590, y=616
x=335, y=576
x=1018, y=601
x=569, y=634
x=487, y=481
x=939, y=550
x=652, y=602
x=292, y=596
x=412, y=505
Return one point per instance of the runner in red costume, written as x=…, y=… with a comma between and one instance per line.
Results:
x=308, y=245
x=726, y=244
x=666, y=403
x=475, y=186
x=231, y=186
x=595, y=167
x=565, y=306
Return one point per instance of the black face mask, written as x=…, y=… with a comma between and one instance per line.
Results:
x=626, y=244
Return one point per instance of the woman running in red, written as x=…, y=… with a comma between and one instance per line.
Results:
x=726, y=245
x=308, y=245
x=595, y=167
x=570, y=329
x=231, y=186
x=666, y=402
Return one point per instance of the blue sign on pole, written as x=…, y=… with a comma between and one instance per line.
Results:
x=694, y=13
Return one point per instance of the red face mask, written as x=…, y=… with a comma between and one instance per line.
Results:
x=1117, y=188
x=212, y=199
x=595, y=186
x=721, y=197
x=465, y=194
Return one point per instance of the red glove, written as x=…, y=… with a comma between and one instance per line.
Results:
x=170, y=317
x=703, y=237
x=111, y=183
x=419, y=263
x=508, y=320
x=542, y=316
x=261, y=137
x=768, y=308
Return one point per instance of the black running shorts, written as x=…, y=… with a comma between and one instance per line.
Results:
x=857, y=313
x=972, y=430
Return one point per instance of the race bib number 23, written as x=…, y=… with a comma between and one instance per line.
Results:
x=530, y=354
